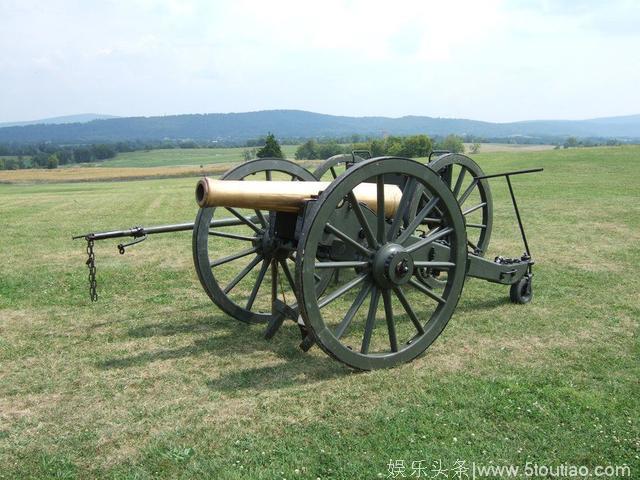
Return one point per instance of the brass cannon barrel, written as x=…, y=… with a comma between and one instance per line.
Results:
x=283, y=196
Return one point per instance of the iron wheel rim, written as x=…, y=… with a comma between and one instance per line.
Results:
x=314, y=227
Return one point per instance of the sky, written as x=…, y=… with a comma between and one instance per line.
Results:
x=487, y=60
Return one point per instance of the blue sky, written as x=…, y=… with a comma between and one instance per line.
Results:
x=488, y=60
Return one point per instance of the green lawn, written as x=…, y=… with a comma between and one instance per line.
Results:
x=183, y=156
x=153, y=381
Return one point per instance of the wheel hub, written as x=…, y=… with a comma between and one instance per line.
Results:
x=392, y=266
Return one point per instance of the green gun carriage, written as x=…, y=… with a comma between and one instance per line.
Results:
x=369, y=265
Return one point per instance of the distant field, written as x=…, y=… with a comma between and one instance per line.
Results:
x=509, y=147
x=155, y=382
x=178, y=163
x=183, y=156
x=92, y=174
x=95, y=174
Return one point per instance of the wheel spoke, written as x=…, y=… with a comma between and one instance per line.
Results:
x=426, y=198
x=380, y=209
x=437, y=233
x=391, y=326
x=407, y=308
x=333, y=172
x=243, y=273
x=274, y=283
x=341, y=291
x=371, y=321
x=267, y=174
x=366, y=228
x=260, y=215
x=287, y=274
x=233, y=257
x=244, y=219
x=438, y=265
x=256, y=287
x=355, y=306
x=467, y=192
x=474, y=208
x=458, y=185
x=234, y=236
x=346, y=238
x=415, y=223
x=405, y=202
x=346, y=264
x=424, y=289
x=476, y=225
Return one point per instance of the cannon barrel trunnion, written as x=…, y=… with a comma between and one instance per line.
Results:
x=370, y=265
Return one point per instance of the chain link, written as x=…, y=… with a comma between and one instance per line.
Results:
x=91, y=264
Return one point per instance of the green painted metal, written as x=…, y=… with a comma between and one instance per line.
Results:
x=256, y=248
x=327, y=170
x=466, y=170
x=391, y=250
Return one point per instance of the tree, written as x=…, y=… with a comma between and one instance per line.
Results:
x=377, y=148
x=271, y=148
x=452, y=143
x=52, y=161
x=307, y=151
x=64, y=156
x=475, y=148
x=326, y=150
x=10, y=164
x=571, y=142
x=416, y=146
x=40, y=159
x=249, y=154
x=82, y=155
x=102, y=152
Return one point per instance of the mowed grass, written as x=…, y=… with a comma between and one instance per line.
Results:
x=141, y=165
x=184, y=156
x=509, y=147
x=153, y=381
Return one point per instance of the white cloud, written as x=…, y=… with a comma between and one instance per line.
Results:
x=495, y=60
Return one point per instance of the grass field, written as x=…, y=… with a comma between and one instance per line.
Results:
x=183, y=156
x=509, y=147
x=174, y=163
x=153, y=381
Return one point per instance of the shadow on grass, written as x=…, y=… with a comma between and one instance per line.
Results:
x=470, y=306
x=302, y=371
x=163, y=329
x=230, y=338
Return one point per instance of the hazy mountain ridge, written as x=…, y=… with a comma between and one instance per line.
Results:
x=302, y=124
x=78, y=118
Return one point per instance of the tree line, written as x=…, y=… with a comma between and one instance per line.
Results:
x=50, y=156
x=412, y=146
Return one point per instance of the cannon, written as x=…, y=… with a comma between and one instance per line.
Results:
x=370, y=265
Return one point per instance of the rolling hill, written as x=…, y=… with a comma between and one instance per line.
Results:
x=79, y=118
x=238, y=127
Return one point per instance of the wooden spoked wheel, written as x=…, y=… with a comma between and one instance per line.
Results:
x=379, y=315
x=238, y=264
x=473, y=196
x=334, y=166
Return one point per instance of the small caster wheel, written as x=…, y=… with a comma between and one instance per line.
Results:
x=521, y=291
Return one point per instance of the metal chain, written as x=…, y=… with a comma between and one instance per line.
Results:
x=91, y=264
